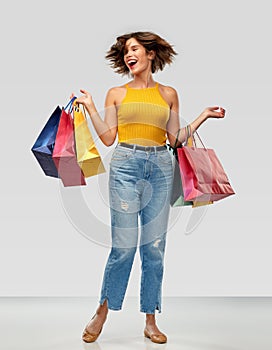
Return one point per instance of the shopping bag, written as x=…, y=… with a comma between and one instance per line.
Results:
x=44, y=145
x=64, y=153
x=177, y=195
x=88, y=157
x=203, y=176
x=197, y=202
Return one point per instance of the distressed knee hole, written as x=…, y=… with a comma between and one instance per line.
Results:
x=124, y=205
x=156, y=243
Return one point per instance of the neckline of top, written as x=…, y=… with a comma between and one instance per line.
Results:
x=151, y=87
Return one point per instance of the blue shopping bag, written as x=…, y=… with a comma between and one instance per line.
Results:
x=44, y=145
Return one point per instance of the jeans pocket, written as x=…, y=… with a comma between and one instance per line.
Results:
x=120, y=157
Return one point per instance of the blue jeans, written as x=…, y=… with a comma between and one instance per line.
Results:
x=139, y=186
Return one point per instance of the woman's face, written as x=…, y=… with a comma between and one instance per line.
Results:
x=136, y=58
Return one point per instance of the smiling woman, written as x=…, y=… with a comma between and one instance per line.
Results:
x=144, y=114
x=148, y=41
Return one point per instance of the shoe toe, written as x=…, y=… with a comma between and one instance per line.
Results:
x=89, y=337
x=156, y=338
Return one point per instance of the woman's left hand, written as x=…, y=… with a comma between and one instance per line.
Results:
x=212, y=112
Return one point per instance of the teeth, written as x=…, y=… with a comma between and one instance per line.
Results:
x=132, y=61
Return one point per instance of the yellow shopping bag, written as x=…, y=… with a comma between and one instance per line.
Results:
x=88, y=157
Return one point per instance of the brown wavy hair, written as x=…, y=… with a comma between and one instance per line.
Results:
x=164, y=52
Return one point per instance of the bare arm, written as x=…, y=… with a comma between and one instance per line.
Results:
x=173, y=124
x=209, y=112
x=106, y=129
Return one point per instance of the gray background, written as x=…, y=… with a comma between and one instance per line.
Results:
x=51, y=48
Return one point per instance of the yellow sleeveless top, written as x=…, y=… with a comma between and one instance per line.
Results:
x=142, y=117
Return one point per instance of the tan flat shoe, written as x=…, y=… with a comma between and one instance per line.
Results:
x=88, y=337
x=156, y=338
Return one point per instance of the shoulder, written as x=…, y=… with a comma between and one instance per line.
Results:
x=169, y=94
x=116, y=94
x=168, y=90
x=116, y=90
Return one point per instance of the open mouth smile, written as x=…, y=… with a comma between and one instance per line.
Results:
x=131, y=63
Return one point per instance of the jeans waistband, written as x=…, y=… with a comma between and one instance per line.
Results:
x=143, y=148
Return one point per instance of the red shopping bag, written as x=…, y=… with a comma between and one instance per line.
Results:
x=64, y=154
x=177, y=195
x=203, y=176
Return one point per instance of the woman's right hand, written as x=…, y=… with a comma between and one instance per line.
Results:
x=86, y=99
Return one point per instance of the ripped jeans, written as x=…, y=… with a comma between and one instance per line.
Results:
x=139, y=187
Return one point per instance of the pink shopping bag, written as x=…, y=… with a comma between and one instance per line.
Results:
x=64, y=153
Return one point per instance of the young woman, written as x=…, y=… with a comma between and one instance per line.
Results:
x=144, y=114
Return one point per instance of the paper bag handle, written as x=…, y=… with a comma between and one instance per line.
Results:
x=186, y=139
x=84, y=110
x=70, y=103
x=194, y=141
